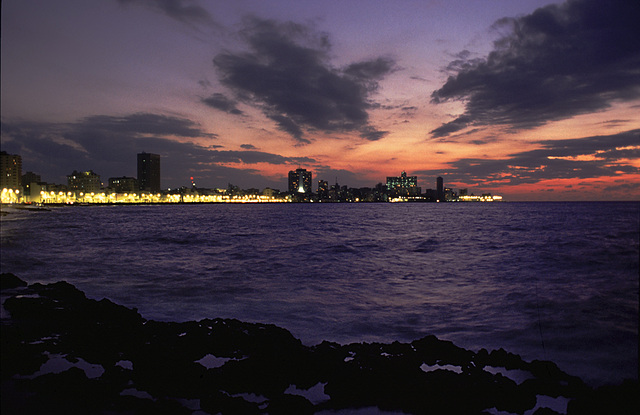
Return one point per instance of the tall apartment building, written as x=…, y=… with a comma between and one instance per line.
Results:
x=10, y=171
x=84, y=182
x=149, y=172
x=300, y=181
x=403, y=185
x=440, y=189
x=323, y=189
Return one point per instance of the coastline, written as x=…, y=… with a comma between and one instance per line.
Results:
x=108, y=359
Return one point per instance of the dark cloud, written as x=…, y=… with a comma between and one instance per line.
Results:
x=372, y=134
x=471, y=136
x=451, y=127
x=558, y=62
x=370, y=72
x=145, y=123
x=287, y=74
x=289, y=126
x=582, y=158
x=621, y=188
x=605, y=147
x=222, y=103
x=341, y=176
x=462, y=62
x=204, y=83
x=248, y=146
x=252, y=157
x=185, y=11
x=615, y=123
x=108, y=145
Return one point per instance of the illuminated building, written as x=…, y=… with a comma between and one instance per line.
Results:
x=269, y=192
x=449, y=195
x=123, y=184
x=149, y=172
x=403, y=185
x=440, y=189
x=84, y=182
x=10, y=171
x=300, y=181
x=323, y=189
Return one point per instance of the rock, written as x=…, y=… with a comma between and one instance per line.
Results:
x=260, y=362
x=286, y=404
x=8, y=281
x=545, y=411
x=219, y=402
x=60, y=291
x=621, y=399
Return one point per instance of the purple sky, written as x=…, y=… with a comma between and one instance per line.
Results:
x=535, y=100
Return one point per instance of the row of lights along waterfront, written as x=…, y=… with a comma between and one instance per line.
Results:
x=86, y=188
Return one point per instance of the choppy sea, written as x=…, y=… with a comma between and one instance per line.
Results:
x=549, y=281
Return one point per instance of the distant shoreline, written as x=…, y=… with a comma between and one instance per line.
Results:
x=44, y=206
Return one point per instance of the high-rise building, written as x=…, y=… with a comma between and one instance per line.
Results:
x=300, y=181
x=149, y=172
x=323, y=189
x=85, y=182
x=440, y=189
x=10, y=171
x=403, y=185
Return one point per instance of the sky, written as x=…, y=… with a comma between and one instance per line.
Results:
x=529, y=99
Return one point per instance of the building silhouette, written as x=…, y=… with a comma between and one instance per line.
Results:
x=323, y=189
x=403, y=185
x=84, y=182
x=10, y=171
x=124, y=184
x=149, y=172
x=30, y=177
x=440, y=189
x=300, y=181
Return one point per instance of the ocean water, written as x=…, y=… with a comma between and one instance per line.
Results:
x=550, y=281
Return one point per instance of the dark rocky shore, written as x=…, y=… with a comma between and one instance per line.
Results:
x=65, y=354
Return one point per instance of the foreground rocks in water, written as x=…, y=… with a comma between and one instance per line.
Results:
x=64, y=353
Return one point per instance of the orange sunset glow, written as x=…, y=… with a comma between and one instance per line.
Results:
x=533, y=100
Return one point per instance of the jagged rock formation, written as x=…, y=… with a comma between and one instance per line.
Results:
x=64, y=353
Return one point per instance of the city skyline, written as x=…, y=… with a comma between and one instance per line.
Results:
x=87, y=187
x=534, y=100
x=149, y=178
